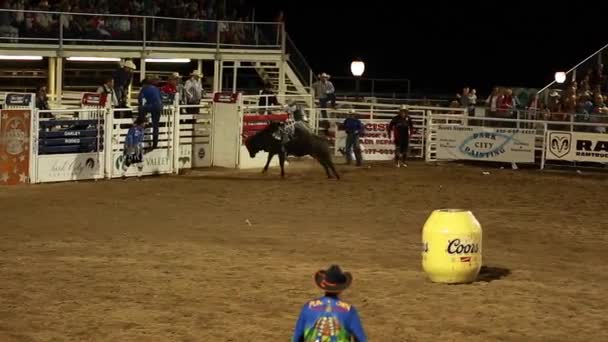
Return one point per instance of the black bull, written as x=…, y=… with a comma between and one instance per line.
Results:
x=304, y=143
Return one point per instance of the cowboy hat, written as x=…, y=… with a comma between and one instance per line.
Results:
x=153, y=77
x=197, y=73
x=333, y=280
x=175, y=76
x=404, y=108
x=129, y=64
x=324, y=75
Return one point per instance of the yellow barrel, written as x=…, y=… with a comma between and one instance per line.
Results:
x=451, y=243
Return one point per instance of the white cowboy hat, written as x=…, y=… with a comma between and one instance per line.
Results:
x=324, y=75
x=404, y=107
x=197, y=73
x=175, y=76
x=129, y=64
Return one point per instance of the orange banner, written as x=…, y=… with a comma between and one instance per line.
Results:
x=14, y=146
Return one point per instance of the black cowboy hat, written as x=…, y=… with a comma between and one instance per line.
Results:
x=333, y=280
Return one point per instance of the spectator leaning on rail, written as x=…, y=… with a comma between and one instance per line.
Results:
x=194, y=91
x=150, y=101
x=353, y=127
x=401, y=125
x=329, y=318
x=173, y=85
x=325, y=92
x=107, y=92
x=122, y=80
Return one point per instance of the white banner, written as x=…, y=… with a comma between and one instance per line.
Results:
x=509, y=145
x=575, y=146
x=70, y=167
x=157, y=161
x=375, y=142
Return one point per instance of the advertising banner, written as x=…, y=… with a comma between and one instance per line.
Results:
x=14, y=146
x=509, y=145
x=575, y=146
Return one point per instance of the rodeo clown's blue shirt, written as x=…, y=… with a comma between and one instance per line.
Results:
x=328, y=319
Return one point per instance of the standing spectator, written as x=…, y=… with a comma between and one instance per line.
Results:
x=42, y=99
x=401, y=125
x=353, y=127
x=463, y=98
x=505, y=107
x=122, y=80
x=150, y=101
x=194, y=91
x=173, y=84
x=329, y=318
x=472, y=102
x=107, y=91
x=492, y=102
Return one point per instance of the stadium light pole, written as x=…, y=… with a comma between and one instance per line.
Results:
x=357, y=68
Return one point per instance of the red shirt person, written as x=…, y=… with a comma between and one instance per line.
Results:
x=401, y=126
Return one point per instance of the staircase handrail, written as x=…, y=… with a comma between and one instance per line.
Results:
x=307, y=76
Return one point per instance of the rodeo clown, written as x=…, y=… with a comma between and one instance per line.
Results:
x=134, y=147
x=402, y=126
x=328, y=318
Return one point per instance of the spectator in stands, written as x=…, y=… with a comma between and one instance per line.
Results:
x=329, y=318
x=107, y=91
x=43, y=22
x=122, y=80
x=42, y=99
x=150, y=101
x=492, y=102
x=600, y=112
x=6, y=22
x=194, y=91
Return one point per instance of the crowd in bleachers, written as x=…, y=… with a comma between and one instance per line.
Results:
x=80, y=26
x=582, y=100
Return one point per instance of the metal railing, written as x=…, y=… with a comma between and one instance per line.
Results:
x=579, y=72
x=299, y=64
x=61, y=28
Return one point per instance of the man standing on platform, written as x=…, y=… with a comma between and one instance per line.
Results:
x=402, y=126
x=194, y=91
x=122, y=81
x=150, y=101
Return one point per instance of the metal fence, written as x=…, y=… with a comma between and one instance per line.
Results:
x=59, y=28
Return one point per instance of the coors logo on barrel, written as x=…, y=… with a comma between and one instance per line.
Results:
x=457, y=247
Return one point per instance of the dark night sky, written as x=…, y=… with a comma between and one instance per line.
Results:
x=445, y=44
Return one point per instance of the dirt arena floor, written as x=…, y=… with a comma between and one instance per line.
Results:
x=175, y=259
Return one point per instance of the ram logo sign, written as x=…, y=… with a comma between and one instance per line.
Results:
x=560, y=144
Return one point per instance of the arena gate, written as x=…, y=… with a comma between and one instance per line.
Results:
x=236, y=118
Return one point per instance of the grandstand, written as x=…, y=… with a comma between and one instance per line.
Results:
x=233, y=55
